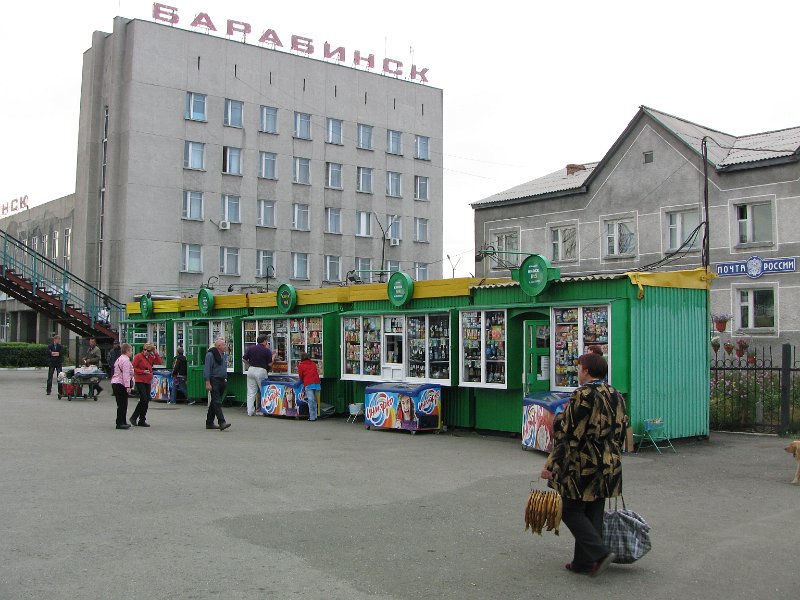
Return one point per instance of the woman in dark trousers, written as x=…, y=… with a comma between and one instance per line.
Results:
x=143, y=375
x=585, y=465
x=122, y=384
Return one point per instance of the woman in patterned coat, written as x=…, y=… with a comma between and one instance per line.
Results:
x=585, y=465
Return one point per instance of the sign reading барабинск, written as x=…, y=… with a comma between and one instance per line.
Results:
x=299, y=43
x=755, y=266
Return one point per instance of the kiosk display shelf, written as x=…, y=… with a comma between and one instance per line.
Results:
x=575, y=329
x=483, y=348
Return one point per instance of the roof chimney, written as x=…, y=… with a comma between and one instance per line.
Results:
x=572, y=169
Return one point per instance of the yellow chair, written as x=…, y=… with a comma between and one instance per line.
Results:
x=655, y=433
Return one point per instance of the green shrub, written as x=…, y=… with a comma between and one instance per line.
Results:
x=21, y=354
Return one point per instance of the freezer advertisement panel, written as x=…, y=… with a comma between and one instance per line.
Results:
x=410, y=410
x=161, y=385
x=287, y=399
x=537, y=423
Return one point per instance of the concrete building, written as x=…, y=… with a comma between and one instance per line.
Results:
x=641, y=207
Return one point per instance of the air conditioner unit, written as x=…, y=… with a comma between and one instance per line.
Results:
x=224, y=225
x=394, y=242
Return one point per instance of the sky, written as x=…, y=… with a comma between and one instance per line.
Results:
x=528, y=86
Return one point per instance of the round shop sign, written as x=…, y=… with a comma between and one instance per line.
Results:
x=286, y=298
x=534, y=274
x=401, y=288
x=146, y=306
x=205, y=301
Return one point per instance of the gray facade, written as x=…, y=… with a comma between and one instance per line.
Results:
x=144, y=233
x=641, y=207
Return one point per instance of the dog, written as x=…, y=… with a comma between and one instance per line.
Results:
x=794, y=450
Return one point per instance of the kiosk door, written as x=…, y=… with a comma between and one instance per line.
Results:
x=536, y=370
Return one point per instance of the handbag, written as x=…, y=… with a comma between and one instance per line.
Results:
x=626, y=533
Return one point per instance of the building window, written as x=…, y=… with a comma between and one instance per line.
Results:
x=265, y=264
x=269, y=119
x=393, y=186
x=755, y=223
x=620, y=238
x=192, y=205
x=300, y=217
x=420, y=271
x=233, y=112
x=420, y=229
x=333, y=220
x=299, y=265
x=756, y=308
x=302, y=170
x=420, y=187
x=364, y=141
x=364, y=183
x=364, y=269
x=393, y=266
x=228, y=260
x=333, y=269
x=334, y=131
x=67, y=247
x=194, y=155
x=394, y=142
x=191, y=258
x=394, y=227
x=267, y=162
x=363, y=223
x=506, y=242
x=648, y=157
x=195, y=106
x=35, y=243
x=44, y=245
x=231, y=160
x=230, y=208
x=302, y=125
x=564, y=243
x=54, y=245
x=422, y=147
x=333, y=175
x=266, y=213
x=682, y=228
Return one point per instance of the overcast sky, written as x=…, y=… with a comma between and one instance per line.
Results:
x=528, y=88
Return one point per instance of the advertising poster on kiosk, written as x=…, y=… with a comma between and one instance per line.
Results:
x=283, y=396
x=538, y=412
x=407, y=406
x=161, y=385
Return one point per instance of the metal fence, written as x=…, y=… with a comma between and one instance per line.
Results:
x=753, y=391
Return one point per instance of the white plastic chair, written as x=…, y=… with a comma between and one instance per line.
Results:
x=356, y=410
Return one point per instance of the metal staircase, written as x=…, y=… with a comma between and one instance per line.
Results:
x=50, y=289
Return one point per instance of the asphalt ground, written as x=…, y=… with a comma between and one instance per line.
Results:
x=277, y=508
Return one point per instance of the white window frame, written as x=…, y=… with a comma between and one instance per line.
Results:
x=333, y=175
x=266, y=213
x=186, y=258
x=420, y=271
x=394, y=184
x=364, y=137
x=265, y=260
x=301, y=217
x=268, y=121
x=191, y=152
x=302, y=125
x=192, y=205
x=267, y=165
x=333, y=220
x=393, y=266
x=560, y=247
x=394, y=142
x=420, y=229
x=502, y=242
x=301, y=172
x=421, y=187
x=614, y=237
x=190, y=112
x=231, y=160
x=333, y=268
x=677, y=229
x=746, y=308
x=364, y=180
x=229, y=260
x=234, y=113
x=422, y=147
x=334, y=131
x=745, y=224
x=394, y=227
x=231, y=208
x=363, y=223
x=54, y=245
x=300, y=265
x=363, y=268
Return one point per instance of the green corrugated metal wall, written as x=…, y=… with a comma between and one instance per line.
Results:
x=670, y=374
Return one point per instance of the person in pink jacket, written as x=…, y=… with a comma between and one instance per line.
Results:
x=122, y=383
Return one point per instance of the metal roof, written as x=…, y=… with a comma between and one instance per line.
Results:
x=558, y=181
x=564, y=279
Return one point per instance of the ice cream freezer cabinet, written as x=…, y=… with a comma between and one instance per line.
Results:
x=409, y=406
x=285, y=396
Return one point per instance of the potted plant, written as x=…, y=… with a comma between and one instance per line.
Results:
x=721, y=320
x=751, y=356
x=728, y=345
x=741, y=346
x=715, y=343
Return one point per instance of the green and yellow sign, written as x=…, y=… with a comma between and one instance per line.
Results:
x=535, y=274
x=146, y=306
x=401, y=289
x=205, y=301
x=286, y=298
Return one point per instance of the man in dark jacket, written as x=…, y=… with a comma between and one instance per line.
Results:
x=112, y=357
x=179, y=372
x=215, y=373
x=55, y=352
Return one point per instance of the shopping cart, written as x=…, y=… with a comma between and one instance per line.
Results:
x=72, y=386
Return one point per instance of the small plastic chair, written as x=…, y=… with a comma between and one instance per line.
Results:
x=356, y=410
x=655, y=432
